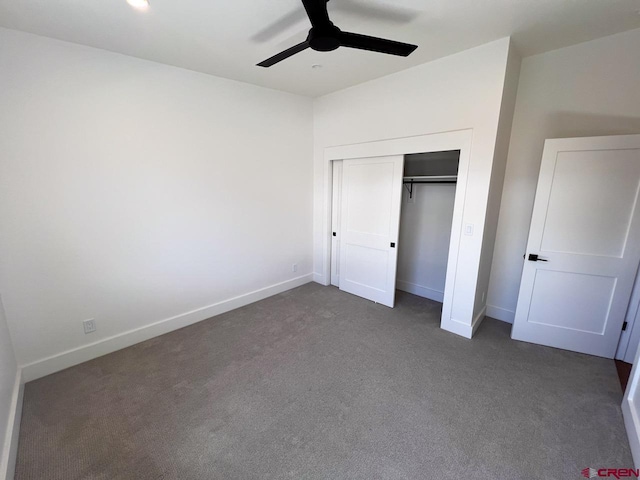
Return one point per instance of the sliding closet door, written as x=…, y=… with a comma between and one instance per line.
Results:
x=370, y=220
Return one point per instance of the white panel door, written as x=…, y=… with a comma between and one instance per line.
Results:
x=585, y=232
x=370, y=221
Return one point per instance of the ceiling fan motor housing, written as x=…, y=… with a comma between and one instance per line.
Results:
x=324, y=39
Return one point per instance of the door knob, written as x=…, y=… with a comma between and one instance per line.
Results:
x=533, y=257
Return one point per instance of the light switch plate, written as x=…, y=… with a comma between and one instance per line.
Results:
x=468, y=229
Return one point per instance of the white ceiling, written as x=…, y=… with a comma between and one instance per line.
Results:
x=228, y=37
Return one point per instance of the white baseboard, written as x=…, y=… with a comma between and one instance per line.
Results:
x=461, y=328
x=632, y=426
x=55, y=363
x=419, y=290
x=319, y=278
x=457, y=327
x=478, y=320
x=10, y=447
x=500, y=313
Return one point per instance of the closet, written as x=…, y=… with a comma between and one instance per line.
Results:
x=391, y=224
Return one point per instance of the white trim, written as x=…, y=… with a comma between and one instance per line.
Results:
x=630, y=338
x=336, y=211
x=632, y=426
x=456, y=326
x=10, y=447
x=631, y=414
x=435, y=142
x=75, y=356
x=478, y=320
x=441, y=141
x=462, y=328
x=419, y=290
x=319, y=278
x=499, y=313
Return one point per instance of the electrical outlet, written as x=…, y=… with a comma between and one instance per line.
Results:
x=89, y=326
x=294, y=267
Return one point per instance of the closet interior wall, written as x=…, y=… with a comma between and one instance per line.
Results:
x=425, y=225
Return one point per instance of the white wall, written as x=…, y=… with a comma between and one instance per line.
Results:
x=497, y=177
x=131, y=192
x=8, y=374
x=462, y=91
x=423, y=246
x=588, y=89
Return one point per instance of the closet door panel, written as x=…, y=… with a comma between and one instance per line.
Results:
x=370, y=219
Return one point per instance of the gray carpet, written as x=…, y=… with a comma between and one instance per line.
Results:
x=316, y=383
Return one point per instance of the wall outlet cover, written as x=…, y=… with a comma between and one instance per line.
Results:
x=89, y=326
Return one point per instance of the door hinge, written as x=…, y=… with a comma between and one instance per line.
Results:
x=624, y=326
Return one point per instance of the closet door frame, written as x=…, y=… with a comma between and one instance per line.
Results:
x=460, y=284
x=336, y=210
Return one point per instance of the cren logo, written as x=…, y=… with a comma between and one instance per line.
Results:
x=610, y=473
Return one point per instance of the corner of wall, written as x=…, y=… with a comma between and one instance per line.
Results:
x=463, y=329
x=500, y=313
x=503, y=137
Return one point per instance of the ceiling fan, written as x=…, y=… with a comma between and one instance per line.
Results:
x=324, y=36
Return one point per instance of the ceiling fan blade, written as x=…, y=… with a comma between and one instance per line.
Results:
x=317, y=12
x=365, y=9
x=276, y=28
x=284, y=55
x=375, y=44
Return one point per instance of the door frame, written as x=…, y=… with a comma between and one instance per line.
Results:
x=436, y=142
x=630, y=338
x=336, y=207
x=630, y=414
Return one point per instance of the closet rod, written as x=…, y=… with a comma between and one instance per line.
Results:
x=431, y=179
x=427, y=179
